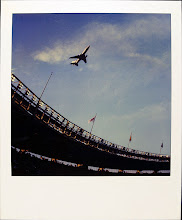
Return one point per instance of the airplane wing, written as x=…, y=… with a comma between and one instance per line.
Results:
x=77, y=56
x=75, y=62
x=85, y=50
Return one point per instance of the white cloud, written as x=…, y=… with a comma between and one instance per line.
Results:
x=48, y=55
x=59, y=52
x=144, y=28
x=108, y=39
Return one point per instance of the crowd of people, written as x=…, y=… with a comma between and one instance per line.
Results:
x=26, y=164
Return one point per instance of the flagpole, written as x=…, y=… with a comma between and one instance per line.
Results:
x=129, y=139
x=93, y=124
x=42, y=94
x=161, y=146
x=92, y=127
x=45, y=86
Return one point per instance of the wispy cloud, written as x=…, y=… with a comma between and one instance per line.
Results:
x=108, y=39
x=147, y=58
x=153, y=112
x=51, y=55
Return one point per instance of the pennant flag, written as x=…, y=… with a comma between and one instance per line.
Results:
x=130, y=138
x=92, y=119
x=161, y=147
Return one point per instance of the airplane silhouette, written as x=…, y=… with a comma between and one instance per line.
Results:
x=82, y=56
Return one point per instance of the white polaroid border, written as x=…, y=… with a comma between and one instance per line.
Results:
x=89, y=198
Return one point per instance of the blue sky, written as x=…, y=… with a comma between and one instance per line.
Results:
x=127, y=80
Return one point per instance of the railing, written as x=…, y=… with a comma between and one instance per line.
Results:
x=24, y=97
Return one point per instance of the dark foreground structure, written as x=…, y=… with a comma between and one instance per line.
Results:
x=39, y=129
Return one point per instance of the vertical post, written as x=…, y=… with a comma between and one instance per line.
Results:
x=130, y=139
x=92, y=127
x=45, y=86
x=93, y=123
x=161, y=147
x=42, y=93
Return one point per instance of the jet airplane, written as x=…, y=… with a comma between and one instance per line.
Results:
x=79, y=57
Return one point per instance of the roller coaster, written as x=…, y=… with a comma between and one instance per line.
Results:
x=38, y=128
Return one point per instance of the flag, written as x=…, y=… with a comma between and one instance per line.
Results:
x=161, y=147
x=130, y=138
x=92, y=119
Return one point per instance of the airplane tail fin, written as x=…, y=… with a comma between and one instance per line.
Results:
x=85, y=60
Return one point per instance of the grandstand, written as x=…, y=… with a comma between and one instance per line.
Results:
x=38, y=129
